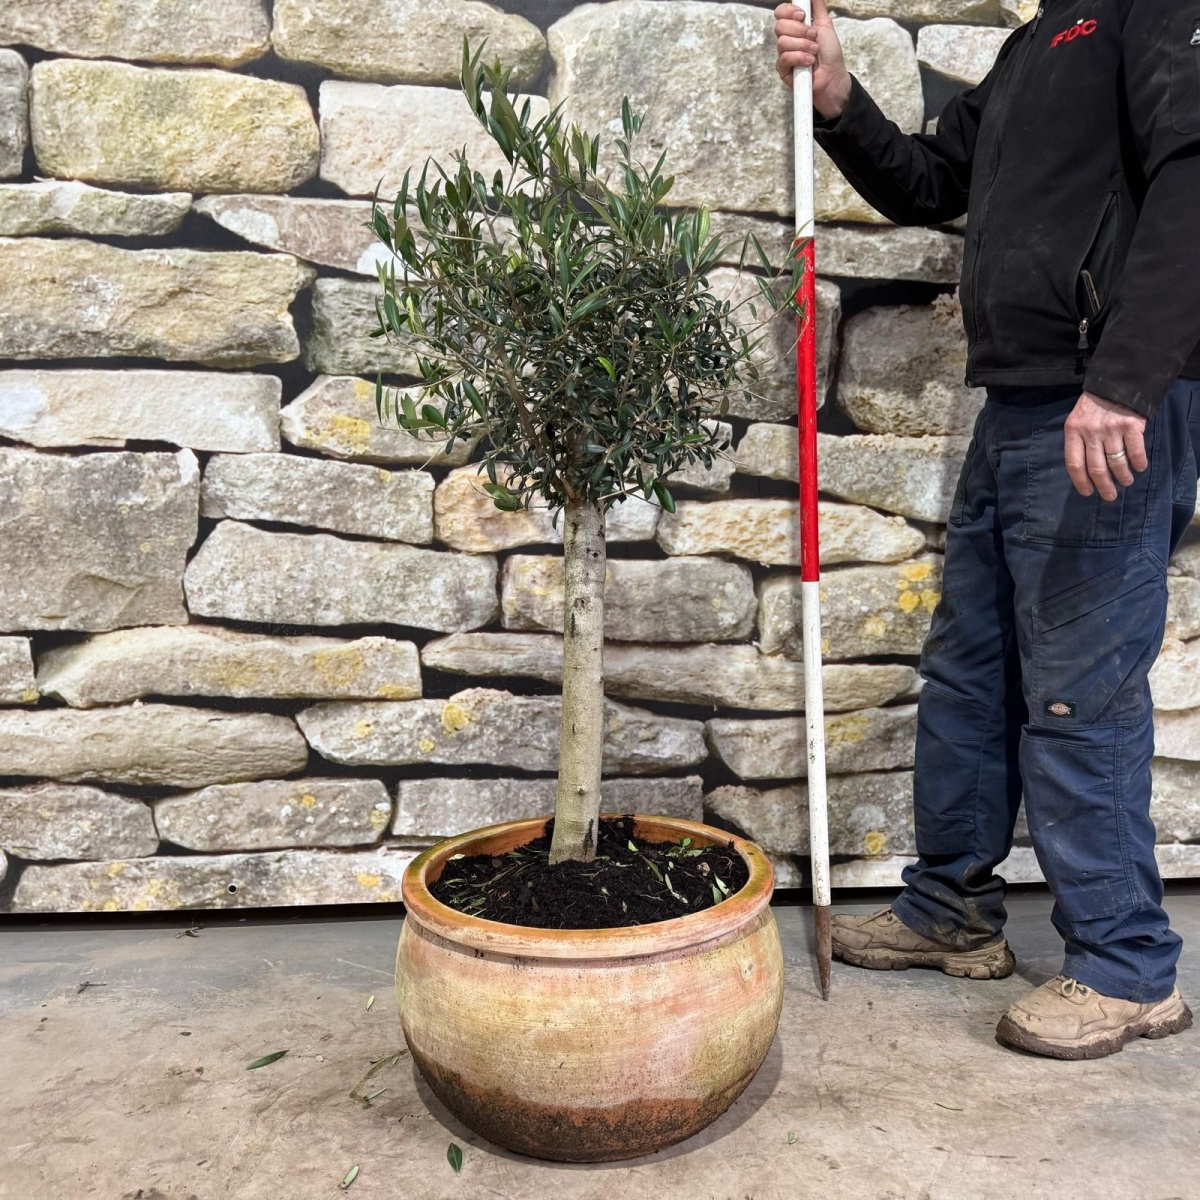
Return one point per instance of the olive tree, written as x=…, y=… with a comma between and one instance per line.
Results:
x=562, y=315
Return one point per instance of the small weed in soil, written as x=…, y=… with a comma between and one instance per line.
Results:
x=630, y=882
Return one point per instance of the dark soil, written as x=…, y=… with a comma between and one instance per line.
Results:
x=630, y=882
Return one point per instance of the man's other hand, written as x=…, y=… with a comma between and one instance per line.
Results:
x=817, y=46
x=1105, y=444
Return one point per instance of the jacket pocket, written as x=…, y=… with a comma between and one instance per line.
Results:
x=1094, y=276
x=1185, y=71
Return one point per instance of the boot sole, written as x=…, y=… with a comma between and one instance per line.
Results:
x=1172, y=1018
x=992, y=962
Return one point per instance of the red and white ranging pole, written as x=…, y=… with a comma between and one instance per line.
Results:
x=810, y=549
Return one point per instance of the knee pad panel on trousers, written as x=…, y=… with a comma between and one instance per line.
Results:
x=1094, y=645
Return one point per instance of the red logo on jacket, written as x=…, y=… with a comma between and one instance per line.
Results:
x=1078, y=30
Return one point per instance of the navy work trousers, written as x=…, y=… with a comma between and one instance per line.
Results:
x=1053, y=610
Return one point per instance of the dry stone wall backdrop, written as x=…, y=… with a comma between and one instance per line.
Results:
x=254, y=648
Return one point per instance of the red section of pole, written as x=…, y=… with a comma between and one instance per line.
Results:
x=806, y=362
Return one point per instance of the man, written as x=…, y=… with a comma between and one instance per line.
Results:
x=1077, y=161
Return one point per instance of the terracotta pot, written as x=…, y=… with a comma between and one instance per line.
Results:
x=589, y=1045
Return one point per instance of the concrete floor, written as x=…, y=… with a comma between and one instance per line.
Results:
x=895, y=1090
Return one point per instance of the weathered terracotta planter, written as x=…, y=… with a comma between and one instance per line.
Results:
x=589, y=1045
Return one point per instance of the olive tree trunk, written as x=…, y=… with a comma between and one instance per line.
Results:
x=577, y=807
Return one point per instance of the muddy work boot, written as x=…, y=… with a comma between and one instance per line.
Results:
x=882, y=942
x=1064, y=1019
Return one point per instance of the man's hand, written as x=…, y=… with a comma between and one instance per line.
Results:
x=1104, y=441
x=817, y=46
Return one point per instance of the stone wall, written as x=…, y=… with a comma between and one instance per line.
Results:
x=254, y=647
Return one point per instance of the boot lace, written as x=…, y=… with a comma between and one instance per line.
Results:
x=1068, y=987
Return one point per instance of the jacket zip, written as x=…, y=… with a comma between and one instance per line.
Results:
x=1018, y=72
x=1083, y=349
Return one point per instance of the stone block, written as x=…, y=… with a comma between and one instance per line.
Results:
x=17, y=684
x=149, y=744
x=677, y=600
x=14, y=112
x=342, y=497
x=248, y=574
x=496, y=729
x=188, y=131
x=210, y=660
x=273, y=814
x=61, y=820
x=58, y=206
x=65, y=298
x=203, y=410
x=119, y=525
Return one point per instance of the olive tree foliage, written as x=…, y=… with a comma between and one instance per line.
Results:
x=562, y=316
x=565, y=320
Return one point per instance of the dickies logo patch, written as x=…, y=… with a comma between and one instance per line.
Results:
x=1082, y=29
x=1060, y=708
x=1196, y=36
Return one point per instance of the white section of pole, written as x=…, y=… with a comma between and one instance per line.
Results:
x=814, y=716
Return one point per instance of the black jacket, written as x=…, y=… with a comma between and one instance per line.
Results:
x=1078, y=162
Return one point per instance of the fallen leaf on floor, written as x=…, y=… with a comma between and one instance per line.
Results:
x=947, y=1107
x=370, y=1003
x=87, y=983
x=351, y=1176
x=454, y=1157
x=792, y=1138
x=266, y=1060
x=377, y=1065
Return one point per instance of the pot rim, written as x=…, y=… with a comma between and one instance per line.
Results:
x=628, y=941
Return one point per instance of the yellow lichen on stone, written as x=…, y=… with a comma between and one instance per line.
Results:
x=352, y=432
x=875, y=627
x=875, y=842
x=241, y=673
x=307, y=800
x=425, y=745
x=114, y=869
x=908, y=602
x=930, y=599
x=916, y=572
x=154, y=888
x=29, y=695
x=846, y=731
x=363, y=728
x=369, y=881
x=145, y=547
x=379, y=818
x=112, y=904
x=455, y=717
x=394, y=691
x=339, y=668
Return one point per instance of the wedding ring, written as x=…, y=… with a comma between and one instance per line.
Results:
x=1120, y=454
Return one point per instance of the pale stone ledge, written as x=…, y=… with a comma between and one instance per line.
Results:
x=338, y=417
x=149, y=744
x=62, y=820
x=848, y=251
x=723, y=676
x=496, y=729
x=274, y=814
x=466, y=518
x=1175, y=677
x=226, y=32
x=676, y=600
x=921, y=12
x=963, y=54
x=1177, y=734
x=773, y=394
x=1175, y=803
x=17, y=685
x=341, y=344
x=202, y=410
x=868, y=814
x=866, y=611
x=740, y=156
x=248, y=574
x=912, y=476
x=283, y=878
x=189, y=131
x=210, y=660
x=342, y=497
x=55, y=206
x=403, y=41
x=65, y=298
x=95, y=541
x=443, y=807
x=372, y=135
x=14, y=113
x=875, y=739
x=768, y=532
x=902, y=371
x=1183, y=607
